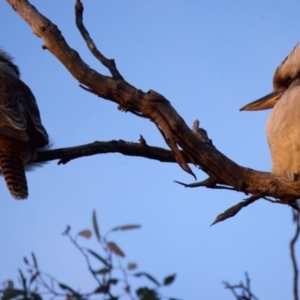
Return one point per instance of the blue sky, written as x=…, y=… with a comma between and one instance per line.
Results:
x=208, y=58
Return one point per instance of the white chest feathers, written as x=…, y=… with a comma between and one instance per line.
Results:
x=283, y=131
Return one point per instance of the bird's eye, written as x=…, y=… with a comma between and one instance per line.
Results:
x=288, y=81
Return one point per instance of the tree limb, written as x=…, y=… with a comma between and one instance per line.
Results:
x=156, y=108
x=109, y=63
x=65, y=155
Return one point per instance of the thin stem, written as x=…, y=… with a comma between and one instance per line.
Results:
x=296, y=219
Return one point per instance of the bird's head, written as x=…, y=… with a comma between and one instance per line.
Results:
x=286, y=76
x=7, y=65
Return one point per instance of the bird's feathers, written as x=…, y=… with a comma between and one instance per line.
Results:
x=283, y=131
x=19, y=114
x=7, y=61
x=288, y=70
x=21, y=129
x=283, y=125
x=12, y=153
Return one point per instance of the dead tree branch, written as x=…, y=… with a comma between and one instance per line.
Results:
x=109, y=63
x=64, y=155
x=187, y=146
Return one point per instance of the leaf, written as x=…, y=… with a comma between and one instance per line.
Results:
x=126, y=227
x=145, y=293
x=131, y=266
x=99, y=257
x=36, y=297
x=95, y=225
x=228, y=213
x=25, y=260
x=112, y=281
x=23, y=281
x=169, y=279
x=34, y=260
x=148, y=276
x=67, y=288
x=34, y=276
x=114, y=248
x=102, y=289
x=85, y=233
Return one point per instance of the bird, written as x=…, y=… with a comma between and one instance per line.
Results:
x=283, y=124
x=21, y=131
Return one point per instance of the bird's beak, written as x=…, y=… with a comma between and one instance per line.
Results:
x=265, y=102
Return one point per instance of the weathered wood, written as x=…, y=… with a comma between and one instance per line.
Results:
x=153, y=106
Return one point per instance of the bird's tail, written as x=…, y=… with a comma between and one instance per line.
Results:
x=12, y=166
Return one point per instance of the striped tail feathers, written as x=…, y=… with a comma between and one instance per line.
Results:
x=12, y=153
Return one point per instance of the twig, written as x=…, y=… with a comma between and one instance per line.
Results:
x=245, y=290
x=73, y=241
x=109, y=63
x=209, y=183
x=65, y=155
x=296, y=219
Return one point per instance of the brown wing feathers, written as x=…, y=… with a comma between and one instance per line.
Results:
x=12, y=152
x=21, y=130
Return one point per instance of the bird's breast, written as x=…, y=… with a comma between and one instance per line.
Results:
x=283, y=131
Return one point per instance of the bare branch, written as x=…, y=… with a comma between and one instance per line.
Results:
x=187, y=146
x=109, y=63
x=243, y=289
x=65, y=155
x=151, y=104
x=296, y=219
x=208, y=183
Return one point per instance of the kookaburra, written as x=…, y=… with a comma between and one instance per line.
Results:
x=21, y=130
x=283, y=125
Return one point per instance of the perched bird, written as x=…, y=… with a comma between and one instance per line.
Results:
x=283, y=125
x=21, y=130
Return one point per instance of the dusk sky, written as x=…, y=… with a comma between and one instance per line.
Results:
x=208, y=58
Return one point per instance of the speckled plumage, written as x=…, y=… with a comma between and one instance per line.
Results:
x=21, y=130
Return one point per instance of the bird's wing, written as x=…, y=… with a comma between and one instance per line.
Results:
x=19, y=114
x=12, y=117
x=35, y=129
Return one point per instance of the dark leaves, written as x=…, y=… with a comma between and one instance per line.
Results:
x=96, y=255
x=228, y=213
x=169, y=279
x=95, y=225
x=151, y=278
